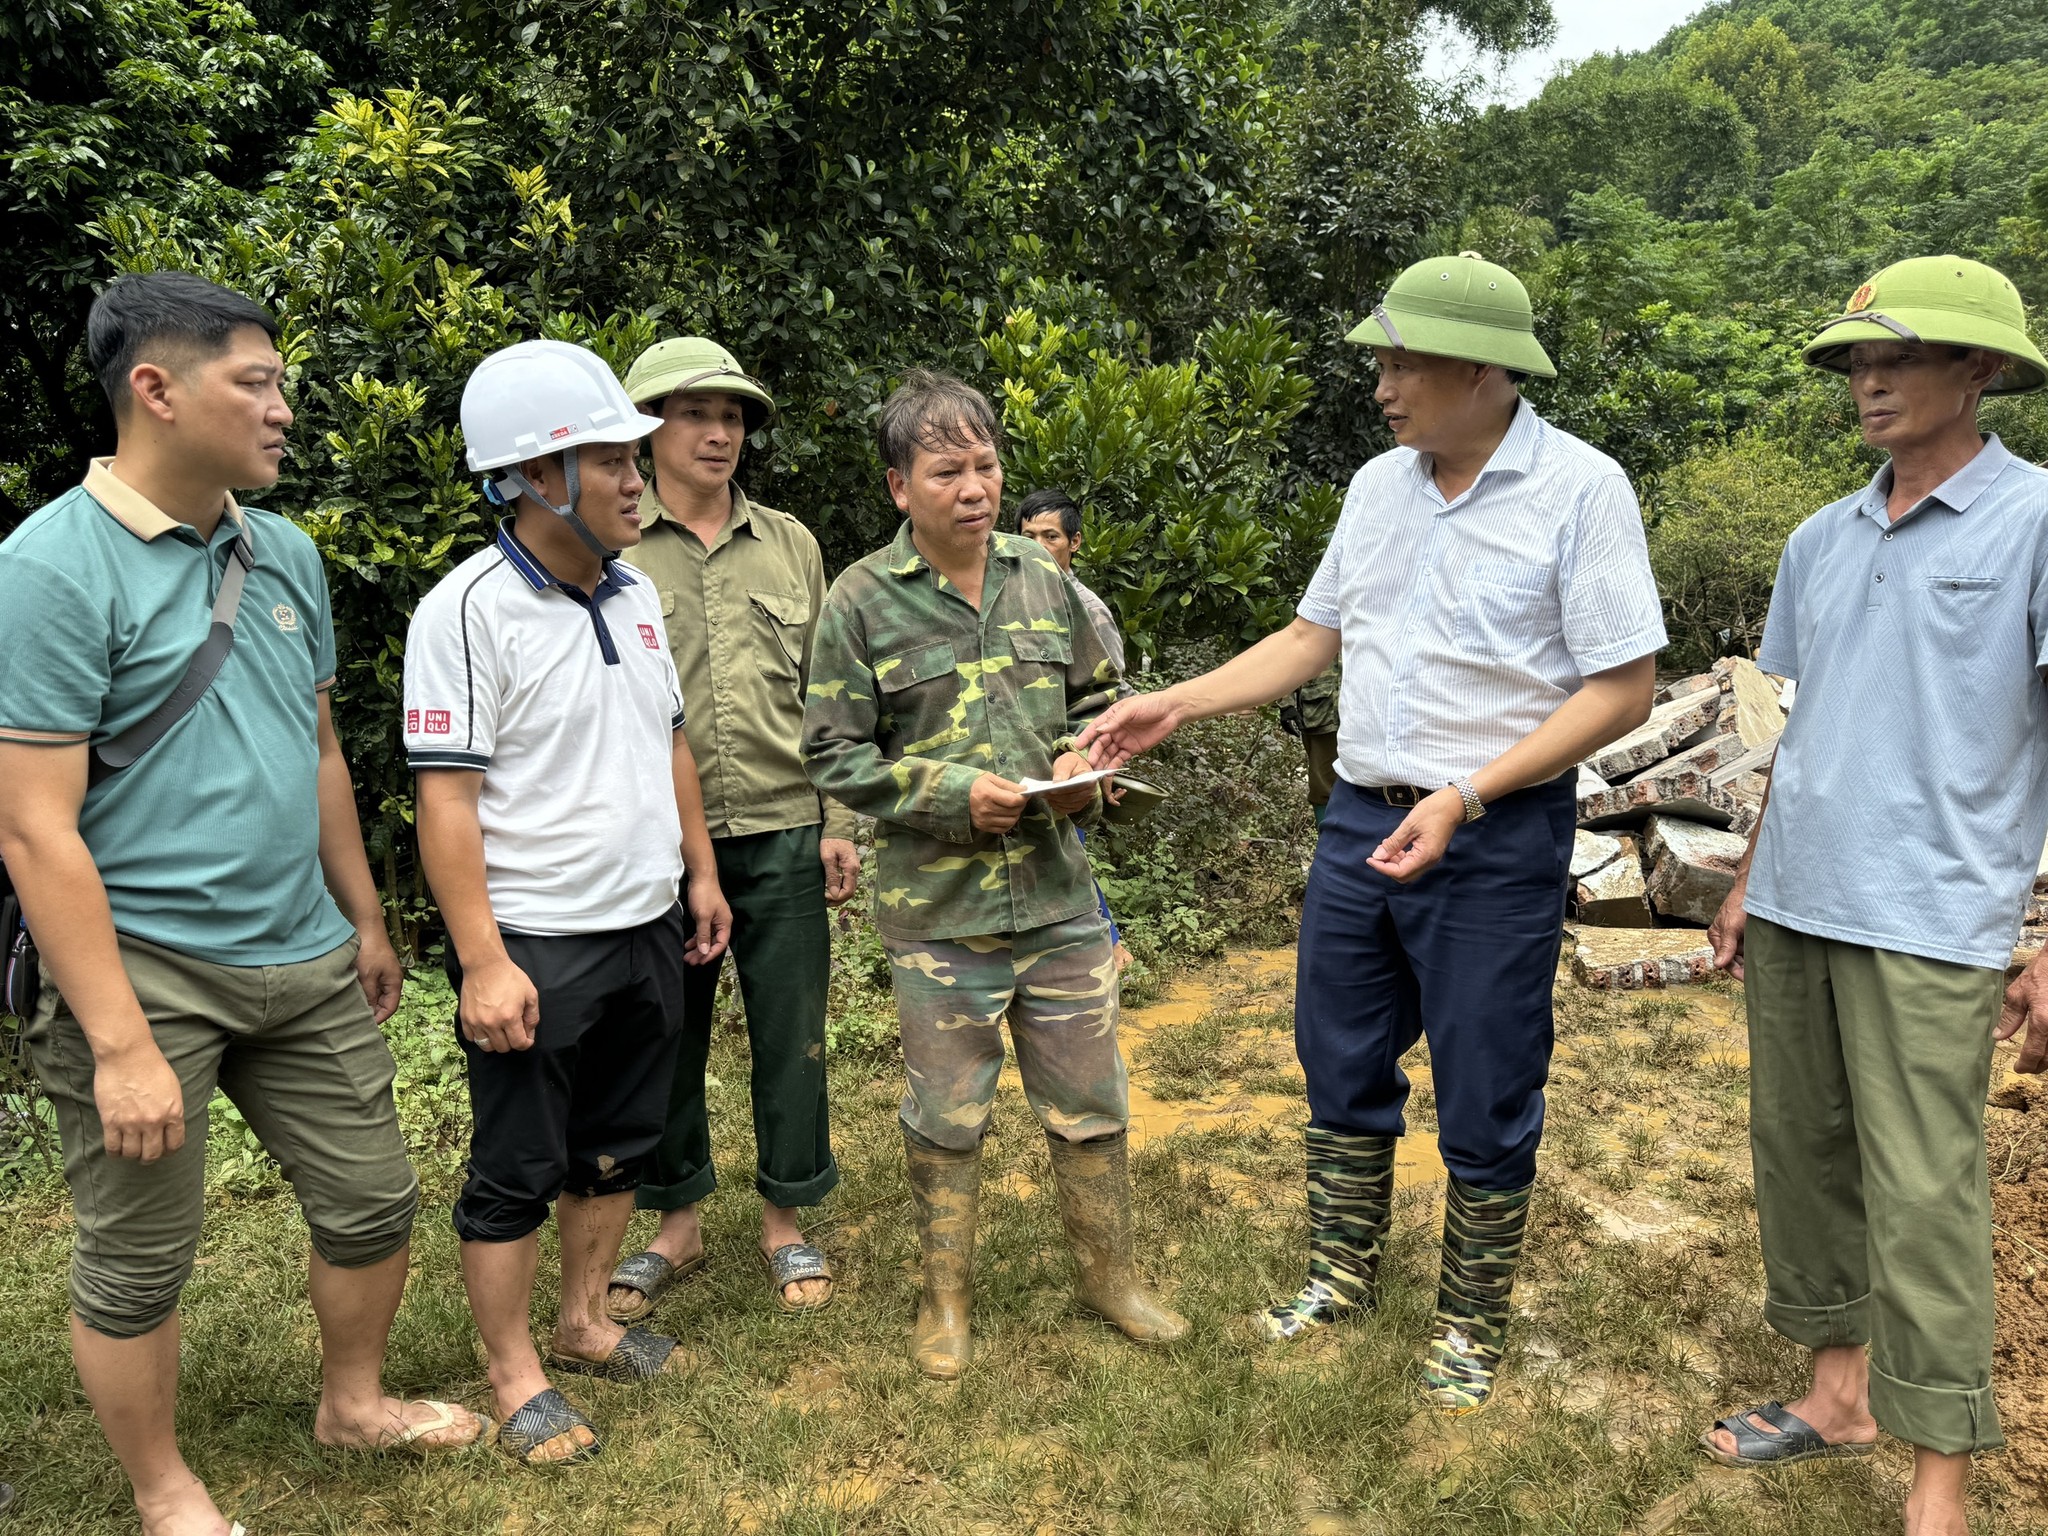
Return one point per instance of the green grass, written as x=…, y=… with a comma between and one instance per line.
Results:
x=818, y=1425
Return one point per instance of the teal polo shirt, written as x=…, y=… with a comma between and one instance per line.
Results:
x=208, y=844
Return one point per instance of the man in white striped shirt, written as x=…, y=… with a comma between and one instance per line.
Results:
x=1490, y=589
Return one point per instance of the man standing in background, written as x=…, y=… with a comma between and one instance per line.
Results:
x=741, y=586
x=1053, y=518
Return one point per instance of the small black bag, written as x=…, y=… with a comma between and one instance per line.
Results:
x=20, y=975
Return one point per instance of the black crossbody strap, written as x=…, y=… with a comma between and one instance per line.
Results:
x=111, y=757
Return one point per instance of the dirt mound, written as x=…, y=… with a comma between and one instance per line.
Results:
x=2017, y=1128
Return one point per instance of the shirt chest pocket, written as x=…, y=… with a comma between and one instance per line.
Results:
x=784, y=618
x=1506, y=609
x=917, y=690
x=1039, y=659
x=1957, y=608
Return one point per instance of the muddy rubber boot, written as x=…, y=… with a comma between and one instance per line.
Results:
x=1094, y=1179
x=1350, y=1206
x=1483, y=1232
x=946, y=1187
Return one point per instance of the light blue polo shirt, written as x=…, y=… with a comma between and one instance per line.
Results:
x=1909, y=800
x=209, y=844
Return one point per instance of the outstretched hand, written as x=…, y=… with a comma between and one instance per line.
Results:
x=1128, y=727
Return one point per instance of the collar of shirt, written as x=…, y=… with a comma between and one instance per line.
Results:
x=136, y=512
x=1515, y=454
x=905, y=560
x=1956, y=493
x=653, y=510
x=616, y=579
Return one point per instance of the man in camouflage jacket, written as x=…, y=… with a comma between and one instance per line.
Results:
x=948, y=668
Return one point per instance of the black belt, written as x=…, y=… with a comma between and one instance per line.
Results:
x=1398, y=794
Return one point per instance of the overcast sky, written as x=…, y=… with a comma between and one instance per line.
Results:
x=1583, y=27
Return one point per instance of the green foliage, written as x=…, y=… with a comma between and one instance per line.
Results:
x=1719, y=522
x=1194, y=532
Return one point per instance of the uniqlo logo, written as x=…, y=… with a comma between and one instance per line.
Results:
x=649, y=638
x=437, y=722
x=412, y=721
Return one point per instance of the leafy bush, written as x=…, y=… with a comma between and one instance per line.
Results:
x=1719, y=523
x=1195, y=531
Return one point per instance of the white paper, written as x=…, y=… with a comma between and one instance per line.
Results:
x=1033, y=787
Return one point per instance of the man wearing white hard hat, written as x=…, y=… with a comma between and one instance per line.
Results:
x=559, y=809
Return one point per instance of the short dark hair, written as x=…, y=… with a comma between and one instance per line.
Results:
x=1051, y=499
x=143, y=311
x=933, y=410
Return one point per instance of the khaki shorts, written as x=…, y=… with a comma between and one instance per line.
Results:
x=296, y=1050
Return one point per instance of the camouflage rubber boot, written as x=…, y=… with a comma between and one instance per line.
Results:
x=1350, y=1204
x=946, y=1188
x=1483, y=1231
x=1094, y=1179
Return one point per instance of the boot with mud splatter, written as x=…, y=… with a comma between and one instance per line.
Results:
x=1350, y=1203
x=1094, y=1179
x=946, y=1188
x=1483, y=1232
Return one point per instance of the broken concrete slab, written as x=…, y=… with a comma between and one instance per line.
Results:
x=1685, y=687
x=1615, y=895
x=1710, y=756
x=1591, y=851
x=1759, y=717
x=1692, y=867
x=1685, y=792
x=1629, y=959
x=1671, y=728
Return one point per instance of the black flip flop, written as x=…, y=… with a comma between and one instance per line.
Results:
x=640, y=1355
x=545, y=1416
x=1795, y=1441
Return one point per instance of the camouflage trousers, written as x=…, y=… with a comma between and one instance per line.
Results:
x=1057, y=987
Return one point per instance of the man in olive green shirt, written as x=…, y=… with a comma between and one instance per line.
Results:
x=741, y=586
x=952, y=667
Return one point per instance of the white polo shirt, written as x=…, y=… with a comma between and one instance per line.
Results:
x=569, y=707
x=1467, y=623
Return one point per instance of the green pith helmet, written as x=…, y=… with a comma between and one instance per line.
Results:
x=1949, y=300
x=697, y=362
x=1459, y=306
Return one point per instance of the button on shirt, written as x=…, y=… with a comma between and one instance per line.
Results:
x=1909, y=799
x=914, y=695
x=1467, y=623
x=568, y=705
x=209, y=843
x=741, y=616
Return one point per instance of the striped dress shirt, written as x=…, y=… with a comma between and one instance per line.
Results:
x=1466, y=623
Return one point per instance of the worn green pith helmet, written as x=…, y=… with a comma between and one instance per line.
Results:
x=1950, y=300
x=1460, y=306
x=697, y=362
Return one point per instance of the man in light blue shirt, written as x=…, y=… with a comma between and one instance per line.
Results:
x=1876, y=912
x=1490, y=588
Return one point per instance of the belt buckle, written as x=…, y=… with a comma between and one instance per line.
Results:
x=1399, y=795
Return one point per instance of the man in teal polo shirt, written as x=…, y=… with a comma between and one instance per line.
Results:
x=188, y=937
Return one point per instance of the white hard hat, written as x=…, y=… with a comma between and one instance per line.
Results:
x=535, y=398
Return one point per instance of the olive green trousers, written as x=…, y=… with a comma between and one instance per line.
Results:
x=1868, y=1073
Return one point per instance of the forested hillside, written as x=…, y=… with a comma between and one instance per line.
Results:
x=1686, y=214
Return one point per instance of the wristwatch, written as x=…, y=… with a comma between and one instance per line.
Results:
x=1473, y=808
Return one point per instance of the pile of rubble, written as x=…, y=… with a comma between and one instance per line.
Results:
x=1664, y=816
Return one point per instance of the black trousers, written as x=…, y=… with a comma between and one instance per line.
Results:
x=579, y=1111
x=1466, y=955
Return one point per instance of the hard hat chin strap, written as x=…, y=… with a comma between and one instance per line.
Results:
x=567, y=510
